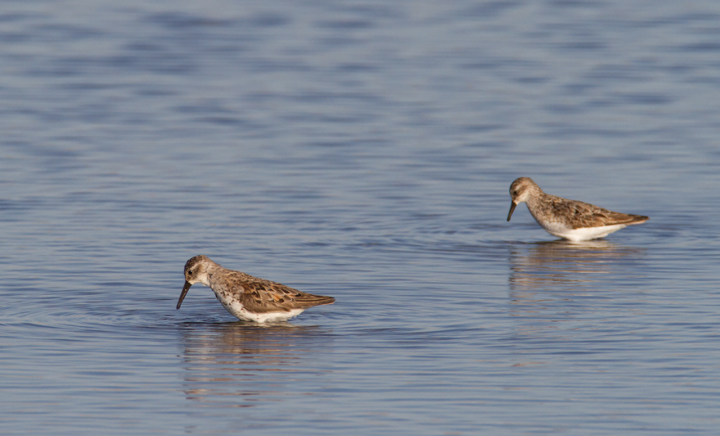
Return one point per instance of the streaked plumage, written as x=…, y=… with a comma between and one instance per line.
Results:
x=568, y=219
x=246, y=297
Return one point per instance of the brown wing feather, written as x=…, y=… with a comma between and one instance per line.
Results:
x=580, y=214
x=265, y=296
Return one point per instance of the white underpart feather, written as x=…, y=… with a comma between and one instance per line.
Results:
x=582, y=234
x=238, y=310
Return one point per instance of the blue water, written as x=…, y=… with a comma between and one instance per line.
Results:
x=361, y=150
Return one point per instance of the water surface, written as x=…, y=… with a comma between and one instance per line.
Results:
x=361, y=150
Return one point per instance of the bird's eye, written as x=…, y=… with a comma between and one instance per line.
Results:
x=190, y=272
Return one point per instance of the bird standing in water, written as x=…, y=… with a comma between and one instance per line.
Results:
x=568, y=219
x=246, y=297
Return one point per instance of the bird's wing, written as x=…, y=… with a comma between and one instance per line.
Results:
x=582, y=214
x=266, y=296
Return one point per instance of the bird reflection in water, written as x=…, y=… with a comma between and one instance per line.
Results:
x=562, y=263
x=552, y=281
x=239, y=364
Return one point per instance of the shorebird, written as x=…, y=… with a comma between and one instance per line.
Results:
x=246, y=297
x=568, y=219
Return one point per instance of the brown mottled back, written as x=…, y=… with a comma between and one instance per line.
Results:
x=579, y=214
x=265, y=296
x=262, y=296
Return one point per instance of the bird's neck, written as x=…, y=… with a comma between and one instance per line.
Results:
x=211, y=273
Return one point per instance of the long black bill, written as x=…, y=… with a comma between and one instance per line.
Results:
x=185, y=290
x=512, y=209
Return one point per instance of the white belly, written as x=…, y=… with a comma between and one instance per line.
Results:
x=582, y=234
x=239, y=311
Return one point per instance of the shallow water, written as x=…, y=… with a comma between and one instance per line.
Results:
x=360, y=150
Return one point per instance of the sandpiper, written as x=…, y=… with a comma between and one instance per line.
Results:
x=248, y=298
x=568, y=219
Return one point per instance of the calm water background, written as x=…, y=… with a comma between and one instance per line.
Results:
x=362, y=150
